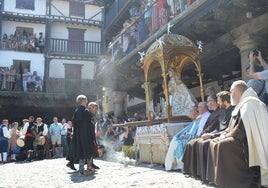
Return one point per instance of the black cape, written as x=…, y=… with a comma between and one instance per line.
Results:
x=82, y=144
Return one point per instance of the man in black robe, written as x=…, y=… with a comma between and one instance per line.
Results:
x=82, y=148
x=224, y=102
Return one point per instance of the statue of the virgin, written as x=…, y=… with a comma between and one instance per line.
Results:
x=180, y=98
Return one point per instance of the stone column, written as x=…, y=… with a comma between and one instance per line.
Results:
x=245, y=43
x=119, y=103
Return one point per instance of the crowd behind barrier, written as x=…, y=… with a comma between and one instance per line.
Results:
x=23, y=41
x=13, y=80
x=144, y=21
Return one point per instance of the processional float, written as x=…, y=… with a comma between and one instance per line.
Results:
x=163, y=64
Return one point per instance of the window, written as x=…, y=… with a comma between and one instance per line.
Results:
x=24, y=30
x=77, y=9
x=25, y=4
x=19, y=65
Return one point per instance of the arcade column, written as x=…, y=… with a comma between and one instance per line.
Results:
x=245, y=43
x=119, y=103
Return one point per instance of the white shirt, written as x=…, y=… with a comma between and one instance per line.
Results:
x=24, y=129
x=203, y=120
x=6, y=132
x=45, y=131
x=64, y=129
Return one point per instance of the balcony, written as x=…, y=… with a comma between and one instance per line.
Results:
x=33, y=18
x=71, y=86
x=198, y=20
x=72, y=48
x=23, y=17
x=59, y=86
x=116, y=15
x=76, y=20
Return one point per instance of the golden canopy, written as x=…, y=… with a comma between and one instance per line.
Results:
x=171, y=51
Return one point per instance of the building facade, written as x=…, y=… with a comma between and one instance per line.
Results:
x=224, y=30
x=56, y=41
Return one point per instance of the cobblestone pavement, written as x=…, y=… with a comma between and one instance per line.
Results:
x=54, y=173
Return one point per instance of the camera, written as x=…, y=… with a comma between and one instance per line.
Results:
x=255, y=52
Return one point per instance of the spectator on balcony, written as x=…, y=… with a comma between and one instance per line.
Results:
x=132, y=36
x=118, y=54
x=1, y=76
x=23, y=45
x=16, y=41
x=12, y=42
x=11, y=78
x=31, y=45
x=172, y=4
x=148, y=14
x=31, y=85
x=36, y=43
x=125, y=35
x=5, y=41
x=26, y=76
x=41, y=42
x=22, y=42
x=164, y=13
x=105, y=59
x=18, y=85
x=4, y=78
x=38, y=84
x=142, y=27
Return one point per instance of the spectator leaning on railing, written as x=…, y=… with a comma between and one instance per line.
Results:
x=25, y=41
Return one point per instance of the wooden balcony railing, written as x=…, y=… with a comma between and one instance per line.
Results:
x=60, y=85
x=56, y=86
x=64, y=46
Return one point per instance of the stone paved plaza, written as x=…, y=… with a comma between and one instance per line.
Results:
x=54, y=173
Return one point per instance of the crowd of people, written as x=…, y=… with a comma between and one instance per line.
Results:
x=144, y=20
x=7, y=78
x=23, y=41
x=34, y=139
x=11, y=80
x=226, y=143
x=79, y=140
x=117, y=138
x=88, y=138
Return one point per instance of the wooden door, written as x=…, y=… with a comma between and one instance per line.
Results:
x=76, y=41
x=73, y=78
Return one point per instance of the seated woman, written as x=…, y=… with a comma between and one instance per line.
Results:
x=180, y=98
x=179, y=141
